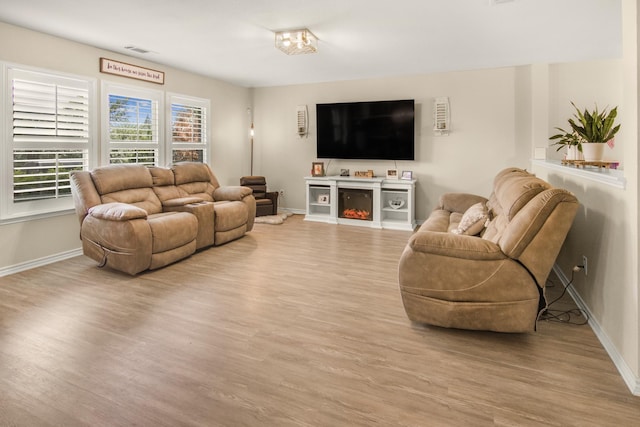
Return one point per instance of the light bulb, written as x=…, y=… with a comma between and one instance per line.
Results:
x=286, y=39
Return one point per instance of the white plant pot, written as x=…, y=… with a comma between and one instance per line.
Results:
x=593, y=151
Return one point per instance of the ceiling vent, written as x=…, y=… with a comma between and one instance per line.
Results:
x=137, y=49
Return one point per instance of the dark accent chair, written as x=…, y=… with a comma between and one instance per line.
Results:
x=266, y=201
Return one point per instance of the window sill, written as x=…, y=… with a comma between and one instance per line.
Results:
x=33, y=217
x=612, y=177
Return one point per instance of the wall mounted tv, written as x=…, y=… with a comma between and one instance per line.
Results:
x=376, y=130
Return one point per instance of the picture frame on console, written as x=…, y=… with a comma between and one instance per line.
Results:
x=392, y=173
x=317, y=169
x=408, y=175
x=323, y=199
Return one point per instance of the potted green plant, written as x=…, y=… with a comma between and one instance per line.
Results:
x=594, y=129
x=570, y=141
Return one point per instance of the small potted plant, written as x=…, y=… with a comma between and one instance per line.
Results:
x=571, y=141
x=594, y=129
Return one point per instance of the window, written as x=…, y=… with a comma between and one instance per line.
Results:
x=131, y=120
x=48, y=135
x=187, y=129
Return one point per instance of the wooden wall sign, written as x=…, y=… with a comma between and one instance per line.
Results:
x=123, y=69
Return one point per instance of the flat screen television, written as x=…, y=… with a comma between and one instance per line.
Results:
x=376, y=130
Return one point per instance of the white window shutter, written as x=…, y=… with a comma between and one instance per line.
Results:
x=188, y=128
x=49, y=135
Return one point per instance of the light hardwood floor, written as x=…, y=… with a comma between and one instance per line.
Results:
x=299, y=324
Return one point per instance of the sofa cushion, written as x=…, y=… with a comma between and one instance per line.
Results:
x=230, y=215
x=113, y=178
x=514, y=188
x=200, y=189
x=161, y=176
x=512, y=194
x=190, y=172
x=473, y=220
x=259, y=191
x=143, y=198
x=126, y=183
x=194, y=179
x=494, y=229
x=168, y=192
x=171, y=230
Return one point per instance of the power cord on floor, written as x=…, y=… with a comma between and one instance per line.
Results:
x=565, y=316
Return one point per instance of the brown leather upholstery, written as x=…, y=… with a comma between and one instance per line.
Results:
x=495, y=280
x=266, y=201
x=122, y=224
x=134, y=218
x=232, y=220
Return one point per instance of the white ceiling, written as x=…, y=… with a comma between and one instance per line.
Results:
x=233, y=40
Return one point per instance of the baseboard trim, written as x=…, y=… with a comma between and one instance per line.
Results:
x=632, y=381
x=17, y=268
x=293, y=211
x=419, y=222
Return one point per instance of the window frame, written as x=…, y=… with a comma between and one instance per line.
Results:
x=189, y=101
x=97, y=150
x=110, y=88
x=10, y=210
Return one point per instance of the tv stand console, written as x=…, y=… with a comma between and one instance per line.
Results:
x=367, y=202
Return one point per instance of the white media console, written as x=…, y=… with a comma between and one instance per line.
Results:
x=368, y=202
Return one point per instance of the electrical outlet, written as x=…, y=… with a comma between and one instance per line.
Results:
x=281, y=192
x=584, y=264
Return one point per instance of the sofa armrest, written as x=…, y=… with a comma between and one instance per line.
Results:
x=117, y=212
x=459, y=202
x=273, y=196
x=231, y=193
x=181, y=201
x=455, y=246
x=204, y=212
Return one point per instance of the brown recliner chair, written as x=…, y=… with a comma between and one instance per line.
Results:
x=266, y=201
x=487, y=271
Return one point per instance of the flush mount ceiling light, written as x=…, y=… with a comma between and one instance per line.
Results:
x=295, y=42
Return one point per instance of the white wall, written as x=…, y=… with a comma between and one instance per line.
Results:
x=482, y=141
x=587, y=84
x=25, y=242
x=606, y=226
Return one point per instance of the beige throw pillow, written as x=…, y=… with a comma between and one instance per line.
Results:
x=473, y=221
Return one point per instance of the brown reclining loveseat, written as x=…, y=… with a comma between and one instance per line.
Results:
x=135, y=218
x=482, y=264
